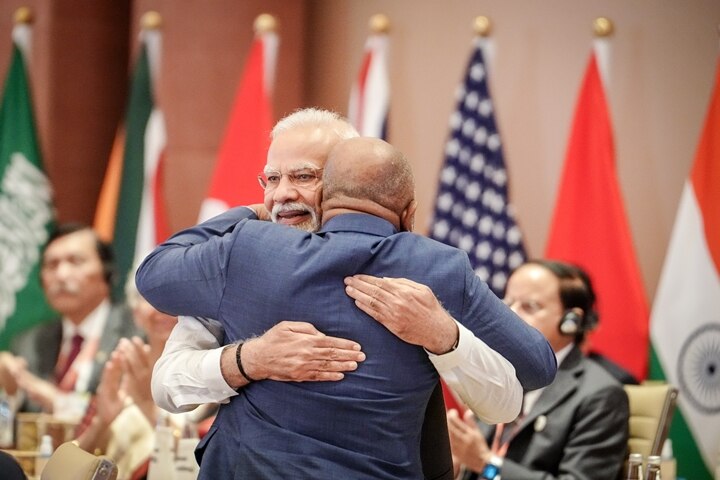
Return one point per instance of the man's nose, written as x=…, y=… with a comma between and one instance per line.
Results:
x=63, y=270
x=285, y=191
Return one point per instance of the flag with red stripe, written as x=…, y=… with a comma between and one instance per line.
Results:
x=370, y=94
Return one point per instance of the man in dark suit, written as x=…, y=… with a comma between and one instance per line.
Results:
x=250, y=274
x=577, y=427
x=67, y=354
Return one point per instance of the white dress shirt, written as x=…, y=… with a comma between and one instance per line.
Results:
x=91, y=329
x=188, y=372
x=532, y=397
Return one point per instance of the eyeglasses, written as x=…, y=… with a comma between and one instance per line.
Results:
x=304, y=178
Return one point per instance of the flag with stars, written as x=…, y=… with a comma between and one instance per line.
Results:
x=472, y=210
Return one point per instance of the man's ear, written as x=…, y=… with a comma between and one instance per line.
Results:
x=407, y=219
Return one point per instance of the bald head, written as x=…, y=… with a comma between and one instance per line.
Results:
x=369, y=175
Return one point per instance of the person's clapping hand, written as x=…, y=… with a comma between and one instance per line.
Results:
x=111, y=397
x=137, y=366
x=467, y=442
x=38, y=390
x=10, y=366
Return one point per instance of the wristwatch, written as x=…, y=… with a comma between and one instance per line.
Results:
x=491, y=471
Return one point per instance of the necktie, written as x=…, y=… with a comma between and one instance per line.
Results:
x=75, y=346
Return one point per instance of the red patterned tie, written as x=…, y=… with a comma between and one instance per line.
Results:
x=75, y=346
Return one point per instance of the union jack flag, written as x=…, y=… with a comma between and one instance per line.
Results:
x=472, y=210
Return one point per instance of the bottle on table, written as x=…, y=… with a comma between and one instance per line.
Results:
x=44, y=453
x=653, y=468
x=634, y=467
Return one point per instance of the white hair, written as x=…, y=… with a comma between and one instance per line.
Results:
x=315, y=117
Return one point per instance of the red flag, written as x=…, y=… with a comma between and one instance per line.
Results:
x=244, y=147
x=590, y=228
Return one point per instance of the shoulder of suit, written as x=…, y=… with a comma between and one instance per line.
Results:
x=597, y=376
x=39, y=333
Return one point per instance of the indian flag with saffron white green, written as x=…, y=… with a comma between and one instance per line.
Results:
x=685, y=320
x=131, y=209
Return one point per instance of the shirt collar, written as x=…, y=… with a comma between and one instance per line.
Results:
x=92, y=326
x=359, y=222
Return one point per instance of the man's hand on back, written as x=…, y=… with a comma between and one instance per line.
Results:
x=292, y=351
x=408, y=309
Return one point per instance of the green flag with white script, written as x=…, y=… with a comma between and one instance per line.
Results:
x=26, y=213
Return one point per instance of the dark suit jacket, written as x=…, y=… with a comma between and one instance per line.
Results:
x=578, y=429
x=40, y=346
x=250, y=275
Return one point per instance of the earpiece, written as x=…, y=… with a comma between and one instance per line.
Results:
x=571, y=322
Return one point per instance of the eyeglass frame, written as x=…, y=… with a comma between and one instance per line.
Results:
x=292, y=177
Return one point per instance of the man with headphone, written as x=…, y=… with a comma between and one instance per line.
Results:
x=577, y=427
x=66, y=355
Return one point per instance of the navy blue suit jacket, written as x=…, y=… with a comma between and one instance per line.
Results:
x=250, y=275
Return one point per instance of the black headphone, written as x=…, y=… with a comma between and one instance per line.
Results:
x=574, y=323
x=571, y=322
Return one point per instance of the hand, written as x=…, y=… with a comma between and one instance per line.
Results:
x=38, y=390
x=260, y=210
x=10, y=367
x=137, y=364
x=110, y=397
x=298, y=352
x=408, y=309
x=466, y=441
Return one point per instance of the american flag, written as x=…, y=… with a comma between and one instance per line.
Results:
x=473, y=211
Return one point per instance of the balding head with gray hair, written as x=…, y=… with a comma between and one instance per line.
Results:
x=369, y=175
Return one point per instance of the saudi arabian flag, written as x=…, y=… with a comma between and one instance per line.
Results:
x=685, y=321
x=26, y=214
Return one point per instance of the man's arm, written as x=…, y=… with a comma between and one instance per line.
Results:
x=483, y=378
x=194, y=368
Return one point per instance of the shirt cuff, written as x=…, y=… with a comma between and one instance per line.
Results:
x=212, y=375
x=447, y=361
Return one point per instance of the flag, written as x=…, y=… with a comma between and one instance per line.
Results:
x=472, y=210
x=26, y=212
x=244, y=147
x=370, y=94
x=685, y=321
x=131, y=208
x=589, y=228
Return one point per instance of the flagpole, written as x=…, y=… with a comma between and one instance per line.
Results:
x=266, y=27
x=369, y=104
x=603, y=29
x=379, y=23
x=22, y=32
x=482, y=26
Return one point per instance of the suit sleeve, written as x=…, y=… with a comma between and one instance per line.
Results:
x=186, y=274
x=597, y=443
x=502, y=330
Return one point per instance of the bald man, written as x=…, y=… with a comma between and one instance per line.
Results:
x=250, y=275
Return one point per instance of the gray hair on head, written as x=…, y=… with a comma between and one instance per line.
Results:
x=315, y=117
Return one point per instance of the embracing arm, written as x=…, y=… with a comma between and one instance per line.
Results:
x=187, y=373
x=483, y=378
x=185, y=275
